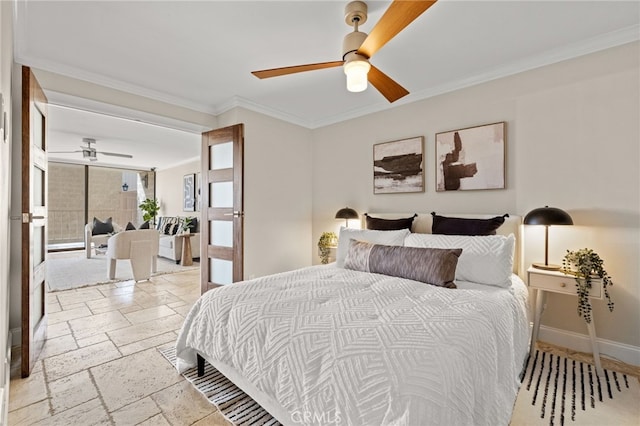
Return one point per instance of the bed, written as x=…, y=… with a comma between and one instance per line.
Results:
x=329, y=344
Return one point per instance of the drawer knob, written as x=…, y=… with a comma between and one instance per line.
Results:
x=563, y=284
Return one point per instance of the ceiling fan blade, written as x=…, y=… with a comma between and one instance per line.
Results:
x=399, y=14
x=275, y=72
x=114, y=154
x=385, y=85
x=62, y=152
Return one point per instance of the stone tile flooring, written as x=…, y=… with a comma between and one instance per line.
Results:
x=100, y=364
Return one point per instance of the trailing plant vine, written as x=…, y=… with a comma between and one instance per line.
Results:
x=328, y=240
x=584, y=265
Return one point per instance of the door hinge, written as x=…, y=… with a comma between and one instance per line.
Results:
x=26, y=217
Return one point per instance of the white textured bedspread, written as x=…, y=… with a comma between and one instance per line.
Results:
x=329, y=345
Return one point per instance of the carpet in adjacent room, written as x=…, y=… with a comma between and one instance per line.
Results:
x=67, y=270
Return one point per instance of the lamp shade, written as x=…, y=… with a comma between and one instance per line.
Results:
x=548, y=216
x=347, y=213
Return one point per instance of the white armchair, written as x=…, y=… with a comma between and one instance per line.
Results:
x=91, y=241
x=139, y=246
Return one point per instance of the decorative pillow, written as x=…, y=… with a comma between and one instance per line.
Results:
x=390, y=238
x=130, y=227
x=465, y=226
x=485, y=259
x=428, y=265
x=171, y=228
x=102, y=228
x=145, y=225
x=389, y=224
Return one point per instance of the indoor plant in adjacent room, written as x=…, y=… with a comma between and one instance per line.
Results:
x=185, y=225
x=586, y=265
x=328, y=241
x=150, y=208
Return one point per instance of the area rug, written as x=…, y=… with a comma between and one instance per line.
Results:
x=557, y=390
x=67, y=270
x=231, y=401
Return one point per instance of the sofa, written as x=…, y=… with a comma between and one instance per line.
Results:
x=170, y=244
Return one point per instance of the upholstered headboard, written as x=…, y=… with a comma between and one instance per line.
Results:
x=422, y=224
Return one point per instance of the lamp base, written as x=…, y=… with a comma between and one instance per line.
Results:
x=549, y=267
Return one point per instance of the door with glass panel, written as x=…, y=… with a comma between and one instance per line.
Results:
x=34, y=220
x=221, y=234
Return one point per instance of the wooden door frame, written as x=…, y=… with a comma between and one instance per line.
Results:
x=33, y=335
x=234, y=134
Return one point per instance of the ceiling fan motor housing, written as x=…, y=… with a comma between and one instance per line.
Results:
x=352, y=42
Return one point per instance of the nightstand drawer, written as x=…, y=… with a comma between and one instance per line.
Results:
x=560, y=283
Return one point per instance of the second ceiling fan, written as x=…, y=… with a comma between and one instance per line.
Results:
x=358, y=48
x=91, y=152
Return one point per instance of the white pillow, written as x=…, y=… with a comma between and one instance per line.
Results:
x=485, y=259
x=389, y=238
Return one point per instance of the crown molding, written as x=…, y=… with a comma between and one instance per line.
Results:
x=240, y=102
x=602, y=42
x=75, y=102
x=100, y=80
x=585, y=47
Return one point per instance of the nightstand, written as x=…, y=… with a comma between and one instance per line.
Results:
x=541, y=282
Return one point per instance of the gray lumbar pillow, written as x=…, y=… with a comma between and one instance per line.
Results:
x=428, y=265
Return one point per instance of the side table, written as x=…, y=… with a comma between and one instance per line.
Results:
x=542, y=281
x=186, y=259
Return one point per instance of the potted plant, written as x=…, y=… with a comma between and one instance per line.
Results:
x=150, y=208
x=328, y=240
x=585, y=265
x=185, y=225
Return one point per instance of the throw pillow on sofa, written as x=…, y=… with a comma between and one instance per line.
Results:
x=102, y=228
x=171, y=228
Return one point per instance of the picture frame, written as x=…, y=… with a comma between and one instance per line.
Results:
x=198, y=192
x=188, y=192
x=472, y=158
x=398, y=166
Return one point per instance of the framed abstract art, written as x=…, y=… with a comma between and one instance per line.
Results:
x=398, y=166
x=471, y=158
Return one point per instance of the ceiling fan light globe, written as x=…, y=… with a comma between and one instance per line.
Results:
x=356, y=72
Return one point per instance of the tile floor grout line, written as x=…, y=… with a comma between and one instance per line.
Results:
x=100, y=397
x=47, y=387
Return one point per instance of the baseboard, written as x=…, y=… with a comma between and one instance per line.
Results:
x=628, y=354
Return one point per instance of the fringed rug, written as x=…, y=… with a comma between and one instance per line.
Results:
x=231, y=401
x=557, y=390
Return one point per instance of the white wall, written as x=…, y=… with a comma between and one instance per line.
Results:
x=572, y=142
x=169, y=189
x=6, y=47
x=277, y=193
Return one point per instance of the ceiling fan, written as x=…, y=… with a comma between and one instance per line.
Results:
x=358, y=48
x=90, y=152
